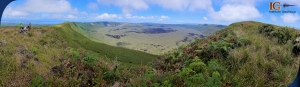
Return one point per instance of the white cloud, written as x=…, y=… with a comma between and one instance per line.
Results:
x=106, y=16
x=71, y=17
x=56, y=16
x=93, y=6
x=74, y=11
x=129, y=6
x=236, y=10
x=290, y=18
x=236, y=13
x=204, y=18
x=83, y=13
x=164, y=17
x=129, y=16
x=126, y=5
x=273, y=18
x=48, y=6
x=172, y=4
x=56, y=9
x=181, y=5
x=9, y=12
x=238, y=2
x=200, y=4
x=293, y=2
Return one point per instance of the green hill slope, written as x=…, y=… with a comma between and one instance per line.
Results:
x=59, y=56
x=77, y=40
x=243, y=54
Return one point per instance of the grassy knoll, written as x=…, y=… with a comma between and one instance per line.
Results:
x=243, y=54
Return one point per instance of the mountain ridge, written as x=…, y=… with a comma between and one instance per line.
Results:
x=244, y=53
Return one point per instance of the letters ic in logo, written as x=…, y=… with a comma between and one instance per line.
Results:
x=274, y=5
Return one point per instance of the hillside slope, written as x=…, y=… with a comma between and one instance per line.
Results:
x=59, y=56
x=243, y=54
x=76, y=39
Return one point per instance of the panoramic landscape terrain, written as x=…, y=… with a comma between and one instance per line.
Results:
x=150, y=43
x=148, y=37
x=71, y=54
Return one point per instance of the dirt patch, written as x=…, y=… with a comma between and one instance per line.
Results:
x=25, y=56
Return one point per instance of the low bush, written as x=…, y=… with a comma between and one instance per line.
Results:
x=37, y=81
x=90, y=59
x=111, y=76
x=243, y=41
x=198, y=67
x=219, y=49
x=197, y=80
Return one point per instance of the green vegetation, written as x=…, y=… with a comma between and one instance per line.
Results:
x=37, y=81
x=243, y=54
x=59, y=56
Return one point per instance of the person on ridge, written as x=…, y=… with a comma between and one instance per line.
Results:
x=21, y=27
x=29, y=26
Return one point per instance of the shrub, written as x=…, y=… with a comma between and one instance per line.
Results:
x=231, y=39
x=186, y=72
x=75, y=56
x=213, y=65
x=111, y=76
x=196, y=59
x=196, y=80
x=90, y=59
x=198, y=67
x=214, y=81
x=243, y=41
x=266, y=29
x=166, y=83
x=37, y=81
x=283, y=35
x=219, y=49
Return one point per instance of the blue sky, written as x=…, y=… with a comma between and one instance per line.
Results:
x=155, y=11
